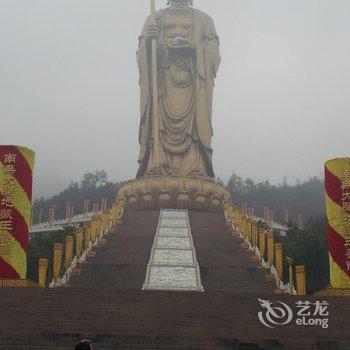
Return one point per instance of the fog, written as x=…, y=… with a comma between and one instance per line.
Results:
x=69, y=86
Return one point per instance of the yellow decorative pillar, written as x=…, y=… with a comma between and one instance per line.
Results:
x=106, y=217
x=249, y=230
x=255, y=233
x=270, y=248
x=266, y=213
x=279, y=260
x=300, y=279
x=57, y=259
x=239, y=220
x=114, y=213
x=69, y=251
x=79, y=241
x=87, y=235
x=99, y=226
x=243, y=226
x=94, y=224
x=262, y=242
x=271, y=219
x=42, y=272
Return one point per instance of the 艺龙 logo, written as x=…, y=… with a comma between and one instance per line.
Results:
x=307, y=313
x=279, y=315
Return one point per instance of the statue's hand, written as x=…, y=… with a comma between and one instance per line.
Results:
x=181, y=45
x=153, y=31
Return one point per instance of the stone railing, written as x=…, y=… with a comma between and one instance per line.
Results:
x=265, y=251
x=80, y=246
x=59, y=225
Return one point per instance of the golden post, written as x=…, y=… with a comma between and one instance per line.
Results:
x=42, y=272
x=245, y=227
x=87, y=235
x=252, y=213
x=79, y=241
x=240, y=219
x=271, y=217
x=86, y=207
x=279, y=260
x=99, y=225
x=300, y=279
x=93, y=229
x=242, y=226
x=249, y=230
x=114, y=209
x=106, y=216
x=270, y=248
x=262, y=242
x=69, y=251
x=255, y=233
x=57, y=259
x=266, y=213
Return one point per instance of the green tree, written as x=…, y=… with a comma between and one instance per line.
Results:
x=309, y=247
x=96, y=179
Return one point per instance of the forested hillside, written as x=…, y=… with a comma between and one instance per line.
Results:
x=93, y=187
x=306, y=198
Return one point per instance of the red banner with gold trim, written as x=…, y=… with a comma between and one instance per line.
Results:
x=16, y=174
x=337, y=179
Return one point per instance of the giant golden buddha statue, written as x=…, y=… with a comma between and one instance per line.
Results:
x=178, y=59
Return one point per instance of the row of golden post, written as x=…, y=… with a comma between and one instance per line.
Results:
x=264, y=240
x=84, y=237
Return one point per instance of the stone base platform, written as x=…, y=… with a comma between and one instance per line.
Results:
x=175, y=192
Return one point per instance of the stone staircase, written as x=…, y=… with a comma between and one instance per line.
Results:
x=106, y=303
x=122, y=263
x=58, y=318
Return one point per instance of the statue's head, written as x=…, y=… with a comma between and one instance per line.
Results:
x=181, y=1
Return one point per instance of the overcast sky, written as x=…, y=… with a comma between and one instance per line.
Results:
x=69, y=86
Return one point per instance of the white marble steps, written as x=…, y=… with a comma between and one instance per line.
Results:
x=173, y=263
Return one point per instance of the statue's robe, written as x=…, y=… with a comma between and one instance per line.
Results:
x=185, y=93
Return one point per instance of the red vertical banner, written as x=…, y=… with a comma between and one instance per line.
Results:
x=337, y=179
x=16, y=178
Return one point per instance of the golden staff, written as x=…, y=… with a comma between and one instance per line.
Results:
x=156, y=162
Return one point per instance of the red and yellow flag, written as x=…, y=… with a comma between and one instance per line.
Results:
x=16, y=169
x=337, y=180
